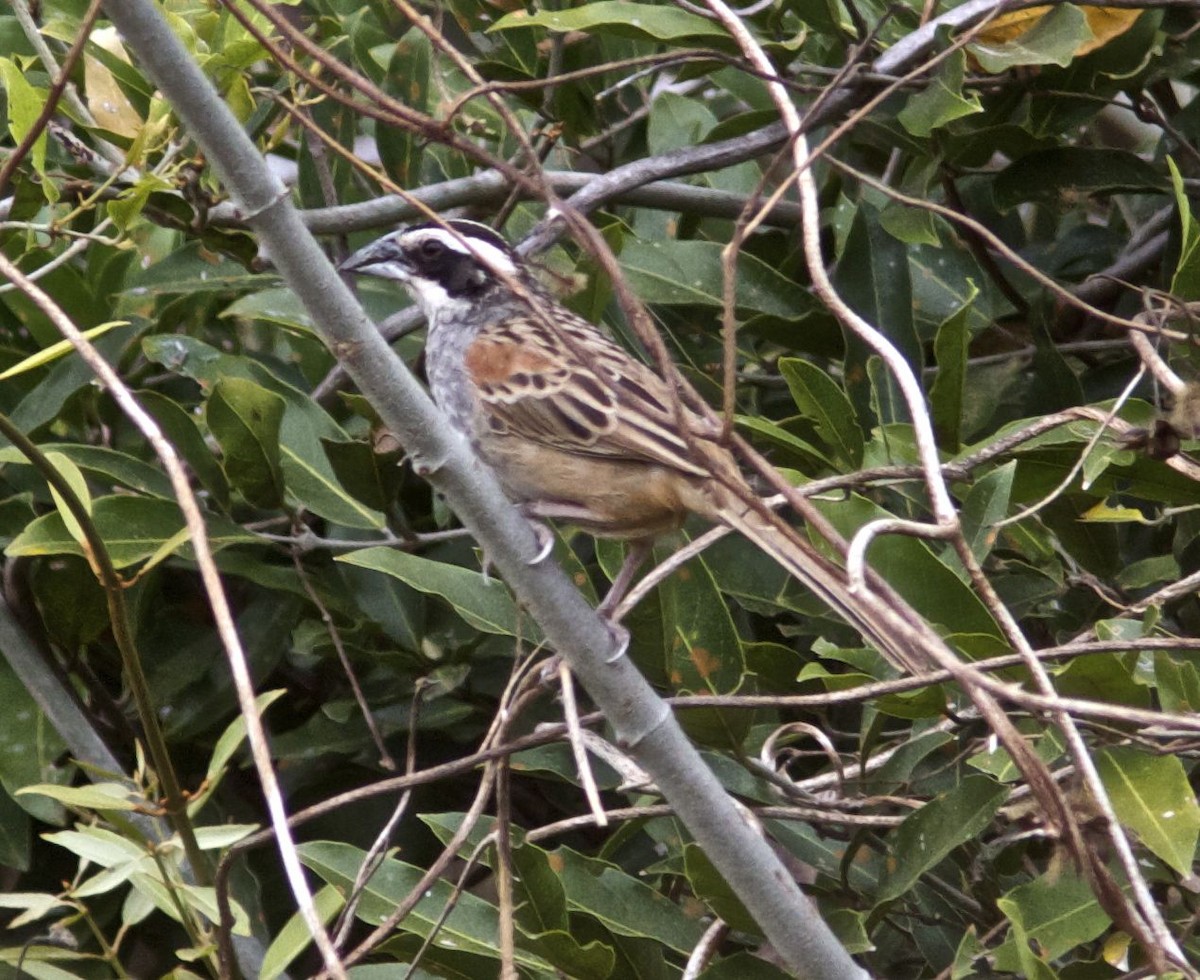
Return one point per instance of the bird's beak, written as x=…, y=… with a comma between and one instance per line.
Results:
x=383, y=258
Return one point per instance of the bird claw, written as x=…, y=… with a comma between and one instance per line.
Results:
x=545, y=545
x=620, y=638
x=545, y=539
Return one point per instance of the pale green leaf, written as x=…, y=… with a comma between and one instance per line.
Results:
x=482, y=602
x=95, y=796
x=1153, y=797
x=619, y=17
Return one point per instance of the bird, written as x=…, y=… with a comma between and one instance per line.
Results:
x=577, y=429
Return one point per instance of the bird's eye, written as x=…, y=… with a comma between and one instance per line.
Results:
x=431, y=248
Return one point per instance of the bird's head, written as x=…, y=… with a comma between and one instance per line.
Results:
x=441, y=264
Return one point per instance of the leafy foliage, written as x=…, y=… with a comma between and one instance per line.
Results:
x=1001, y=216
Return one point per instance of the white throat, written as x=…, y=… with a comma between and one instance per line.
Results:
x=433, y=300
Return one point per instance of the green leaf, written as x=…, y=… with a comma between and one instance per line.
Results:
x=1178, y=680
x=74, y=479
x=947, y=281
x=642, y=21
x=909, y=224
x=899, y=770
x=711, y=887
x=942, y=101
x=675, y=121
x=590, y=961
x=222, y=835
x=100, y=846
x=313, y=483
x=969, y=950
x=746, y=966
x=874, y=277
x=472, y=925
x=1031, y=966
x=933, y=831
x=935, y=589
x=133, y=529
x=673, y=273
x=1053, y=40
x=985, y=506
x=783, y=439
x=1103, y=513
x=1149, y=571
x=559, y=761
x=825, y=404
x=306, y=470
x=16, y=835
x=542, y=917
x=368, y=476
x=24, y=107
x=1105, y=677
x=129, y=204
x=34, y=906
x=703, y=653
x=947, y=396
x=36, y=963
x=192, y=271
x=202, y=901
x=245, y=419
x=181, y=430
x=117, y=467
x=279, y=306
x=484, y=603
x=1058, y=911
x=96, y=796
x=1153, y=798
x=998, y=763
x=398, y=609
x=1185, y=280
x=408, y=78
x=545, y=903
x=30, y=748
x=621, y=903
x=227, y=745
x=339, y=728
x=1058, y=176
x=296, y=936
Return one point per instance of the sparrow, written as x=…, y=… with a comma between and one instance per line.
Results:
x=577, y=429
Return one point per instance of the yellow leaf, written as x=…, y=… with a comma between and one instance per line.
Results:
x=1008, y=26
x=1106, y=23
x=106, y=101
x=55, y=351
x=1116, y=950
x=1102, y=513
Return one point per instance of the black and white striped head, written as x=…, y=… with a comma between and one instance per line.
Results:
x=441, y=264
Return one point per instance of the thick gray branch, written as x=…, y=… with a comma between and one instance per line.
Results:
x=491, y=187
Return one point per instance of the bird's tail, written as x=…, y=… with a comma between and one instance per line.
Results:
x=868, y=611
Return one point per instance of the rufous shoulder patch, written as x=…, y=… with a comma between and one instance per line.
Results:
x=492, y=363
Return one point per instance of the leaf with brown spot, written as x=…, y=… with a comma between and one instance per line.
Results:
x=707, y=665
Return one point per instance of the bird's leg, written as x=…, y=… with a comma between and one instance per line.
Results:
x=639, y=551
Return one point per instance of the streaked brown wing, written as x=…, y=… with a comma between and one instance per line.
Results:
x=580, y=393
